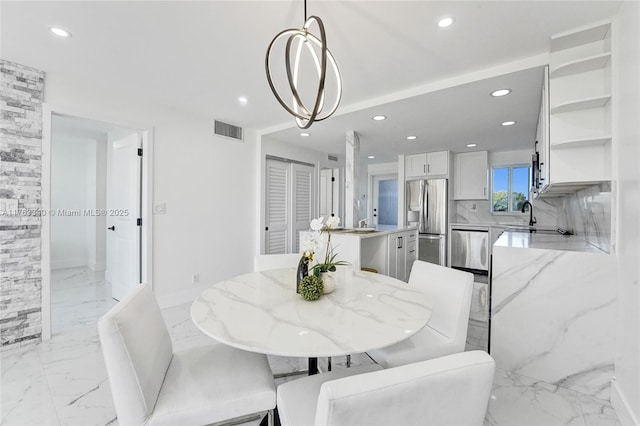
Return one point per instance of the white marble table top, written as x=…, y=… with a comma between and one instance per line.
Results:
x=261, y=312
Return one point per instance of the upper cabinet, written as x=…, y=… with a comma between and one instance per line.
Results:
x=416, y=166
x=470, y=176
x=429, y=165
x=579, y=150
x=438, y=164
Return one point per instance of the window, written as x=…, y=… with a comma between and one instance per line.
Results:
x=510, y=188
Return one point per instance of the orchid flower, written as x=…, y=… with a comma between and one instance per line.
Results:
x=316, y=224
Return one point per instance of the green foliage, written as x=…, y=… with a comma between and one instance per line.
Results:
x=500, y=201
x=518, y=198
x=311, y=287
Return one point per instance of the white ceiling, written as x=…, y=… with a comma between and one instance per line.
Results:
x=201, y=56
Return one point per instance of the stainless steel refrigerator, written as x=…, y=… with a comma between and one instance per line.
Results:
x=427, y=202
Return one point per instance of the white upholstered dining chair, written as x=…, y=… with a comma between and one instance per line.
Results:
x=264, y=262
x=446, y=332
x=452, y=390
x=151, y=385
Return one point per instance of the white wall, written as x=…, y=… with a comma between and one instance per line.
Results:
x=69, y=189
x=207, y=182
x=99, y=197
x=626, y=387
x=508, y=158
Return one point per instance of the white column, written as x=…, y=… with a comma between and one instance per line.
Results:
x=352, y=180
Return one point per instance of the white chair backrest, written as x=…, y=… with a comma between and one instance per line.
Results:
x=265, y=262
x=451, y=390
x=450, y=291
x=137, y=352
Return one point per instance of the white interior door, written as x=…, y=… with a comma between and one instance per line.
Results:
x=123, y=211
x=329, y=192
x=302, y=202
x=277, y=207
x=326, y=192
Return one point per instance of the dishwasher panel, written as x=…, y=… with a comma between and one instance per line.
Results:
x=470, y=249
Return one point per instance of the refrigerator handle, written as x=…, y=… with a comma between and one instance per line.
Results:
x=421, y=222
x=425, y=206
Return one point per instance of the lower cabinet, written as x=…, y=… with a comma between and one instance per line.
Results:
x=401, y=254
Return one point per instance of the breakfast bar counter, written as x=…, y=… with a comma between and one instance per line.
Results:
x=548, y=292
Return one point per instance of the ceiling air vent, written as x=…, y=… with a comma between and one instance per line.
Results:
x=228, y=130
x=332, y=157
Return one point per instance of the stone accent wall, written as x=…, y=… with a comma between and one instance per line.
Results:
x=21, y=95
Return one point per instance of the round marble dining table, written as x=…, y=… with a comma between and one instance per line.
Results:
x=261, y=312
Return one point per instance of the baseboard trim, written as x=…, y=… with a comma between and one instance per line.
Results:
x=98, y=266
x=68, y=263
x=621, y=406
x=179, y=297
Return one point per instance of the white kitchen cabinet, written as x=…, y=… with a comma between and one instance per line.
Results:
x=416, y=166
x=579, y=110
x=541, y=145
x=401, y=254
x=470, y=175
x=438, y=164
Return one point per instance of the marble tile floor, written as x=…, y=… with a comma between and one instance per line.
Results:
x=63, y=382
x=79, y=296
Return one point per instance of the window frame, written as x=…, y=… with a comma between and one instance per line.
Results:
x=509, y=212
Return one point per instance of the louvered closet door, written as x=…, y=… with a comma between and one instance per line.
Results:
x=277, y=207
x=302, y=202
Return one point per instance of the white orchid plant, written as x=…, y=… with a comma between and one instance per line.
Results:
x=320, y=226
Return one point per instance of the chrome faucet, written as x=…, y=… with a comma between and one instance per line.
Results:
x=532, y=220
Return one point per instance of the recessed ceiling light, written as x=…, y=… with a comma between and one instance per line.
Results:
x=60, y=32
x=304, y=134
x=445, y=22
x=243, y=99
x=379, y=117
x=411, y=137
x=472, y=145
x=508, y=123
x=501, y=92
x=371, y=157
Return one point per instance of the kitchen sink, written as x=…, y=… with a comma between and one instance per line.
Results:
x=533, y=229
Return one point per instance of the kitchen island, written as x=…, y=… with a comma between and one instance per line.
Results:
x=553, y=310
x=389, y=252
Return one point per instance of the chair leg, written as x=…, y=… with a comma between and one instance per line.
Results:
x=329, y=364
x=270, y=420
x=348, y=361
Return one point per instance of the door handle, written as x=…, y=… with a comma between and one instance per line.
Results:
x=112, y=228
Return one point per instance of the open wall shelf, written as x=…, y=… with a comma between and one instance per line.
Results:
x=576, y=143
x=591, y=63
x=580, y=36
x=580, y=104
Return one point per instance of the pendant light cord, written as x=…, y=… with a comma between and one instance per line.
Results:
x=305, y=10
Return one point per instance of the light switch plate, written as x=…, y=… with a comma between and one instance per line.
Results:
x=159, y=208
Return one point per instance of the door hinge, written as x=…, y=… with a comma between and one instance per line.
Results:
x=139, y=152
x=139, y=221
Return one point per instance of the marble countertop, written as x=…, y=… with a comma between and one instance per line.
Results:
x=368, y=233
x=261, y=312
x=496, y=225
x=520, y=239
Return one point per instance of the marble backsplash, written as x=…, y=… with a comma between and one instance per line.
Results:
x=479, y=211
x=588, y=214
